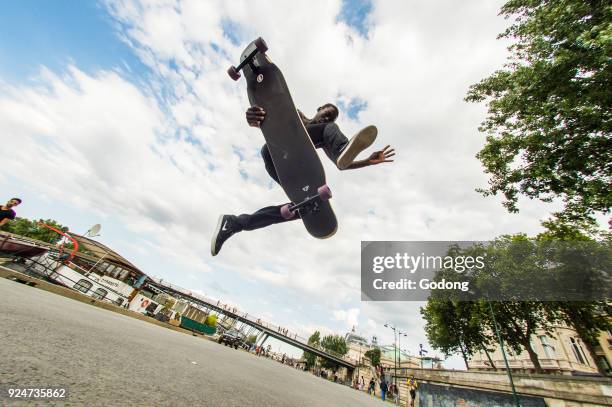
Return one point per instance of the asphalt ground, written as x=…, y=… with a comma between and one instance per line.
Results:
x=105, y=358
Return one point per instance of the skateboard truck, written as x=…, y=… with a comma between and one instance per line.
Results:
x=260, y=46
x=311, y=203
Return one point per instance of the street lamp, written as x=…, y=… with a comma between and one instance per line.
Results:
x=501, y=345
x=395, y=355
x=421, y=353
x=399, y=346
x=358, y=363
x=394, y=346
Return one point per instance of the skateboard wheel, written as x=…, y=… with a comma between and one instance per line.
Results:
x=261, y=45
x=233, y=73
x=286, y=213
x=324, y=192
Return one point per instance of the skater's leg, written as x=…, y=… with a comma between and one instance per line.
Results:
x=346, y=152
x=337, y=146
x=229, y=225
x=265, y=154
x=267, y=216
x=334, y=141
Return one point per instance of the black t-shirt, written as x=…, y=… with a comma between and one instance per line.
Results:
x=315, y=131
x=328, y=136
x=7, y=214
x=319, y=132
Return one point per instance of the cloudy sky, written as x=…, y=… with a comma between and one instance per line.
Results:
x=121, y=113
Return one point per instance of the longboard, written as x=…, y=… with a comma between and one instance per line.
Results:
x=295, y=159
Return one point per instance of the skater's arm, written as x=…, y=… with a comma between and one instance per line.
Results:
x=377, y=157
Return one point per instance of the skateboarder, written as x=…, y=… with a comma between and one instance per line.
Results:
x=324, y=133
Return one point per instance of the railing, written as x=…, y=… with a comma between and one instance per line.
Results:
x=49, y=263
x=244, y=315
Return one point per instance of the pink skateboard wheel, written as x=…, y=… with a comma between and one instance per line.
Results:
x=324, y=192
x=286, y=213
x=261, y=45
x=233, y=73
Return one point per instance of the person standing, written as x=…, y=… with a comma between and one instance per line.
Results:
x=371, y=386
x=6, y=211
x=395, y=394
x=412, y=387
x=383, y=388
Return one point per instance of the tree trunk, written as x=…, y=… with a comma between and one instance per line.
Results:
x=464, y=356
x=533, y=356
x=489, y=357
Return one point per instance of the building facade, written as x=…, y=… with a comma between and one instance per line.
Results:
x=563, y=352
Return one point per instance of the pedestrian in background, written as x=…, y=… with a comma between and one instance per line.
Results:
x=383, y=388
x=412, y=387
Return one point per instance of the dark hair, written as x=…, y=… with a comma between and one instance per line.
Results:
x=307, y=121
x=16, y=199
x=334, y=107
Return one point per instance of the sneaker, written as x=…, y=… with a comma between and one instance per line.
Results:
x=225, y=229
x=360, y=141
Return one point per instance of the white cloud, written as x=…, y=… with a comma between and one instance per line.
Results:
x=350, y=317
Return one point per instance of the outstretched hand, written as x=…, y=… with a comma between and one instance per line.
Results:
x=255, y=115
x=382, y=156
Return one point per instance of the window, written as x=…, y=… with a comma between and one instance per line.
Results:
x=99, y=294
x=578, y=352
x=116, y=272
x=582, y=353
x=603, y=363
x=83, y=285
x=151, y=307
x=548, y=348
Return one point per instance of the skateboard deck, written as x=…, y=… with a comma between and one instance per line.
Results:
x=294, y=156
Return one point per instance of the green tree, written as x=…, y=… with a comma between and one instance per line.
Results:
x=33, y=229
x=374, y=356
x=456, y=327
x=549, y=118
x=336, y=345
x=589, y=318
x=251, y=339
x=517, y=273
x=314, y=340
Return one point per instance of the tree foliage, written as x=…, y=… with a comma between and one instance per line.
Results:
x=334, y=344
x=457, y=327
x=314, y=340
x=33, y=229
x=374, y=356
x=537, y=266
x=549, y=118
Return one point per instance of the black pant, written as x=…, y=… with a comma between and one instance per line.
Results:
x=323, y=135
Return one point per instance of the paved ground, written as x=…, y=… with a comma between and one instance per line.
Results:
x=105, y=358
